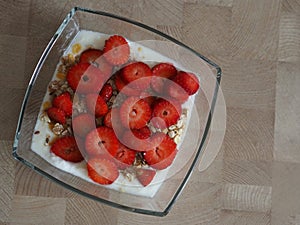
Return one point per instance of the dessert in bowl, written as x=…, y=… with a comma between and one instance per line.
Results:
x=117, y=111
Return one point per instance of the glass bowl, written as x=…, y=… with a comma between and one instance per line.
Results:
x=165, y=190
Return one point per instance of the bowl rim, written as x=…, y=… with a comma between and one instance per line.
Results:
x=34, y=76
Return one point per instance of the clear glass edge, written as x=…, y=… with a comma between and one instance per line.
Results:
x=36, y=72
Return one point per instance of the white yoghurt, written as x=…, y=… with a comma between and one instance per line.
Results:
x=90, y=39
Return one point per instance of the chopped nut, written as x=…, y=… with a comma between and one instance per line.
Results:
x=53, y=86
x=44, y=117
x=172, y=127
x=171, y=134
x=177, y=139
x=61, y=82
x=153, y=129
x=58, y=129
x=79, y=105
x=165, y=131
x=180, y=131
x=112, y=99
x=64, y=133
x=139, y=160
x=179, y=123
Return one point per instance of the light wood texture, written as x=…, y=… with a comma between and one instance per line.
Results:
x=254, y=179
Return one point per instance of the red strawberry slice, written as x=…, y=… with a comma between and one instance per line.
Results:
x=102, y=170
x=124, y=157
x=106, y=92
x=145, y=176
x=142, y=133
x=139, y=73
x=161, y=71
x=90, y=55
x=163, y=164
x=96, y=105
x=148, y=97
x=67, y=149
x=161, y=156
x=116, y=50
x=83, y=124
x=165, y=113
x=95, y=57
x=85, y=78
x=125, y=89
x=101, y=140
x=135, y=113
x=176, y=91
x=188, y=81
x=56, y=115
x=115, y=121
x=107, y=119
x=63, y=102
x=137, y=139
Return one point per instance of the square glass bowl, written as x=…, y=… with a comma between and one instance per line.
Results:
x=196, y=131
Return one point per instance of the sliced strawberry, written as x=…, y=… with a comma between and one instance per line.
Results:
x=107, y=119
x=124, y=157
x=106, y=92
x=95, y=57
x=161, y=71
x=63, y=102
x=101, y=140
x=125, y=89
x=139, y=73
x=116, y=50
x=148, y=97
x=188, y=81
x=163, y=154
x=165, y=113
x=163, y=164
x=90, y=55
x=102, y=170
x=85, y=78
x=67, y=149
x=105, y=67
x=56, y=115
x=135, y=113
x=142, y=133
x=176, y=91
x=83, y=124
x=96, y=105
x=137, y=139
x=145, y=176
x=115, y=120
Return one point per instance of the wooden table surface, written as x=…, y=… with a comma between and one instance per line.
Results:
x=255, y=178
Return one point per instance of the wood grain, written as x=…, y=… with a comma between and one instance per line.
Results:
x=251, y=38
x=250, y=84
x=85, y=211
x=245, y=218
x=37, y=210
x=289, y=37
x=287, y=113
x=246, y=197
x=12, y=52
x=14, y=17
x=255, y=177
x=246, y=172
x=251, y=130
